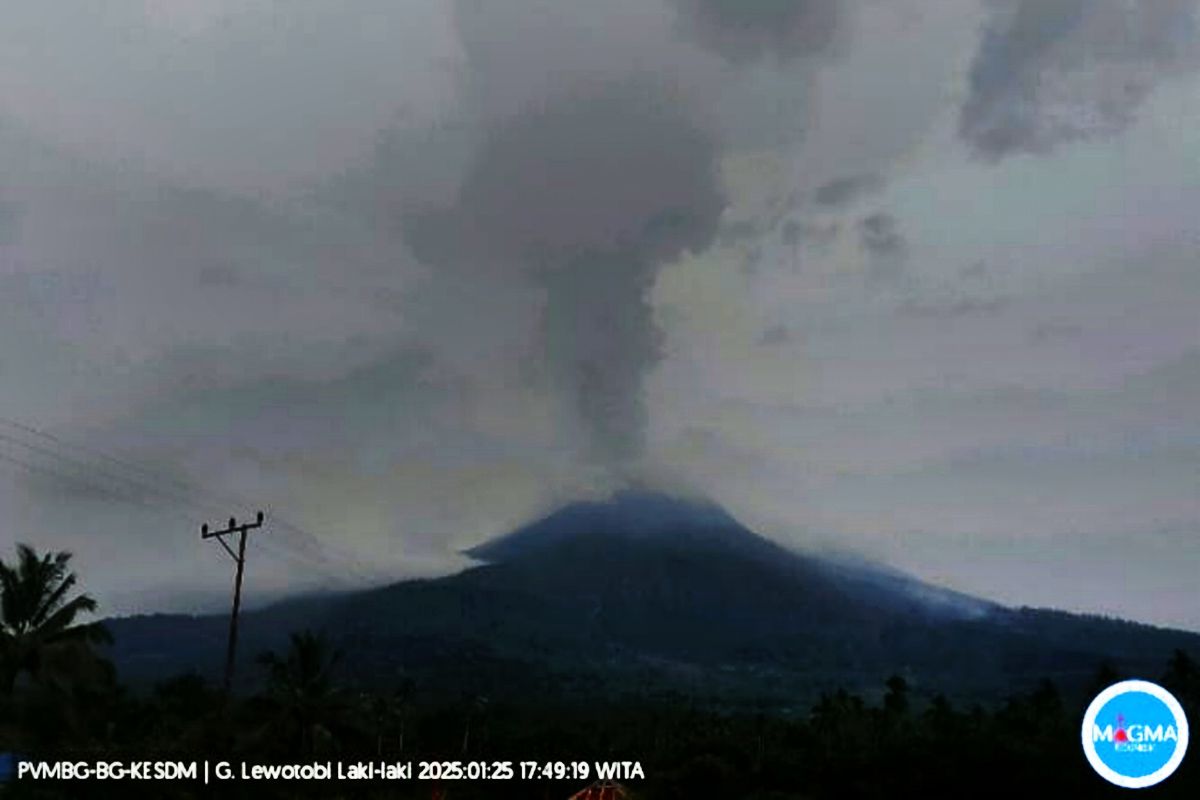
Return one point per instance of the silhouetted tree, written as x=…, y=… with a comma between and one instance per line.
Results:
x=895, y=702
x=387, y=713
x=1183, y=679
x=301, y=702
x=477, y=706
x=39, y=634
x=1105, y=675
x=184, y=709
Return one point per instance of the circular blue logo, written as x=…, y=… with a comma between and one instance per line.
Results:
x=1135, y=734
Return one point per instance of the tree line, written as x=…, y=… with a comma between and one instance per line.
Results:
x=60, y=697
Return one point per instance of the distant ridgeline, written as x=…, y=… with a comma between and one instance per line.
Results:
x=646, y=593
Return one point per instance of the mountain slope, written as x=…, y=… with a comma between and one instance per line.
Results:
x=646, y=591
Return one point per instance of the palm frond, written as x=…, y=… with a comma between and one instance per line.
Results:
x=53, y=599
x=61, y=619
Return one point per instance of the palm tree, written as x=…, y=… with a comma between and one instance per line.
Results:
x=38, y=631
x=477, y=705
x=1183, y=678
x=303, y=700
x=388, y=714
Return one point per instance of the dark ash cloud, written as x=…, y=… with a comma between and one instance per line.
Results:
x=775, y=335
x=609, y=168
x=843, y=191
x=585, y=197
x=796, y=232
x=976, y=270
x=880, y=235
x=212, y=275
x=600, y=342
x=956, y=309
x=791, y=233
x=1053, y=71
x=739, y=231
x=751, y=260
x=584, y=154
x=748, y=30
x=1053, y=331
x=10, y=220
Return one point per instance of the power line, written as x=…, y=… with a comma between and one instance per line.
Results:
x=78, y=463
x=43, y=434
x=221, y=498
x=213, y=501
x=141, y=486
x=160, y=509
x=66, y=478
x=305, y=546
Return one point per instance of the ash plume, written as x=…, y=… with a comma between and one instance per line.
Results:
x=747, y=30
x=1049, y=72
x=585, y=197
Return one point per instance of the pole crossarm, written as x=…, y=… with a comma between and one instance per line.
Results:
x=234, y=527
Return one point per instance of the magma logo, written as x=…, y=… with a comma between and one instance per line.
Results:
x=1135, y=734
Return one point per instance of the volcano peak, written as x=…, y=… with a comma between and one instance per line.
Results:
x=629, y=516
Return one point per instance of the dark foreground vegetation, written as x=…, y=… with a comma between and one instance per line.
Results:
x=59, y=699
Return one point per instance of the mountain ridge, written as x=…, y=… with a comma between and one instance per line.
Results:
x=643, y=590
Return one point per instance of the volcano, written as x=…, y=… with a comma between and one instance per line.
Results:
x=646, y=591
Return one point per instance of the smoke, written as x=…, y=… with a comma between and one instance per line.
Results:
x=585, y=197
x=1053, y=71
x=842, y=192
x=10, y=216
x=584, y=154
x=880, y=234
x=748, y=30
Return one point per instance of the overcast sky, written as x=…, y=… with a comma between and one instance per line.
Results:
x=914, y=279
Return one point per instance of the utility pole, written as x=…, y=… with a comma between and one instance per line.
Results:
x=240, y=559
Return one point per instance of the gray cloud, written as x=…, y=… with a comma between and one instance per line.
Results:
x=611, y=168
x=842, y=191
x=1053, y=71
x=791, y=233
x=586, y=196
x=955, y=309
x=977, y=270
x=269, y=436
x=1052, y=331
x=225, y=94
x=10, y=220
x=747, y=30
x=751, y=260
x=775, y=334
x=584, y=155
x=295, y=350
x=794, y=233
x=880, y=234
x=739, y=231
x=111, y=269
